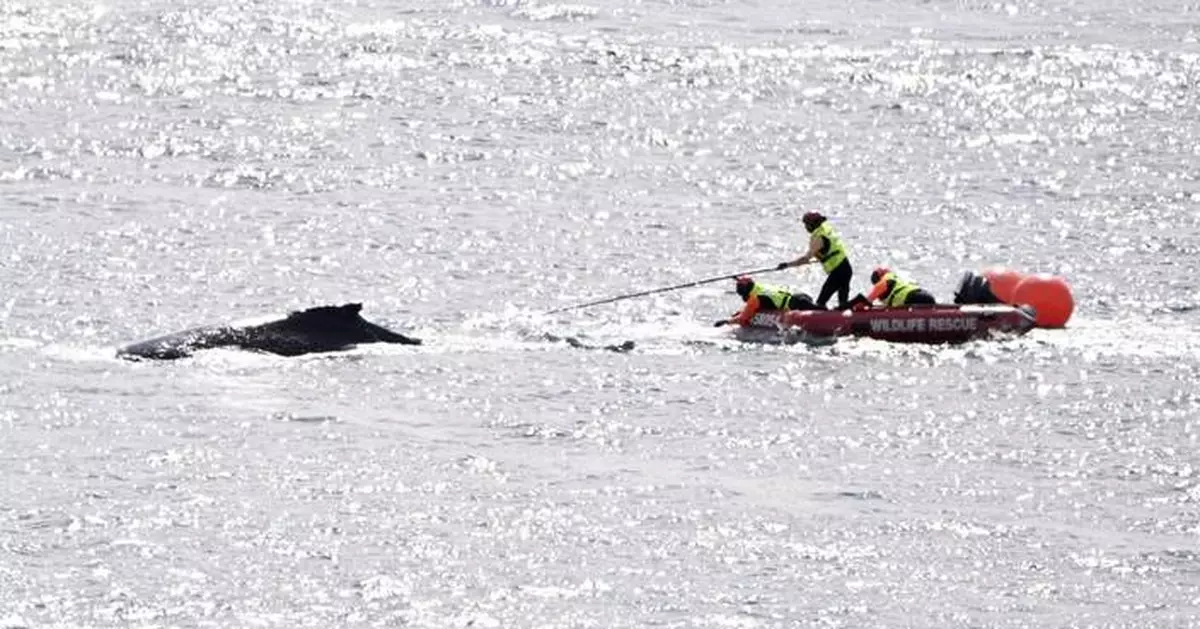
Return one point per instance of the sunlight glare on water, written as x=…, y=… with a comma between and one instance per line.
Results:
x=463, y=168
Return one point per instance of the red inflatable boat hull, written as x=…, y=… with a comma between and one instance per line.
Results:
x=919, y=324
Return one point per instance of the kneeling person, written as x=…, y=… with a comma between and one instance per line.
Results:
x=765, y=298
x=893, y=292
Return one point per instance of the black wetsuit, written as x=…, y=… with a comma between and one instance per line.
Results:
x=801, y=301
x=920, y=297
x=838, y=282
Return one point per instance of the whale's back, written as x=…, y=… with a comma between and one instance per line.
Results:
x=315, y=330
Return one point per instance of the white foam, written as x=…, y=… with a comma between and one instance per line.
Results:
x=80, y=353
x=20, y=343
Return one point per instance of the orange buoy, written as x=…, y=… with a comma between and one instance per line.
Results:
x=1003, y=282
x=1050, y=297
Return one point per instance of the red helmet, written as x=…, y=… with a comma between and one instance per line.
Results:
x=743, y=280
x=812, y=220
x=878, y=273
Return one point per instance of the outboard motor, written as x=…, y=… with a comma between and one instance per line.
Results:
x=973, y=289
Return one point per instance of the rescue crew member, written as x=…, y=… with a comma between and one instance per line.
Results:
x=893, y=292
x=825, y=246
x=764, y=298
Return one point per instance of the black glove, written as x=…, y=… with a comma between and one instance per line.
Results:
x=721, y=323
x=783, y=265
x=859, y=302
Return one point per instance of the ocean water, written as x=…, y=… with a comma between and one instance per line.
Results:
x=461, y=168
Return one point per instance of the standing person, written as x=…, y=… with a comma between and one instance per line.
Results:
x=825, y=246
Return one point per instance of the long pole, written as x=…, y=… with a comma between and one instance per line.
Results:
x=654, y=291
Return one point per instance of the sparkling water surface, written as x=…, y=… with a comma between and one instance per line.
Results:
x=460, y=168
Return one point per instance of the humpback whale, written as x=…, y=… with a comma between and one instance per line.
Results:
x=320, y=329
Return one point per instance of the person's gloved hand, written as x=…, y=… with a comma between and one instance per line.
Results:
x=721, y=323
x=860, y=303
x=782, y=266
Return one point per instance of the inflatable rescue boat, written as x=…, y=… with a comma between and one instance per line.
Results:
x=997, y=302
x=916, y=324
